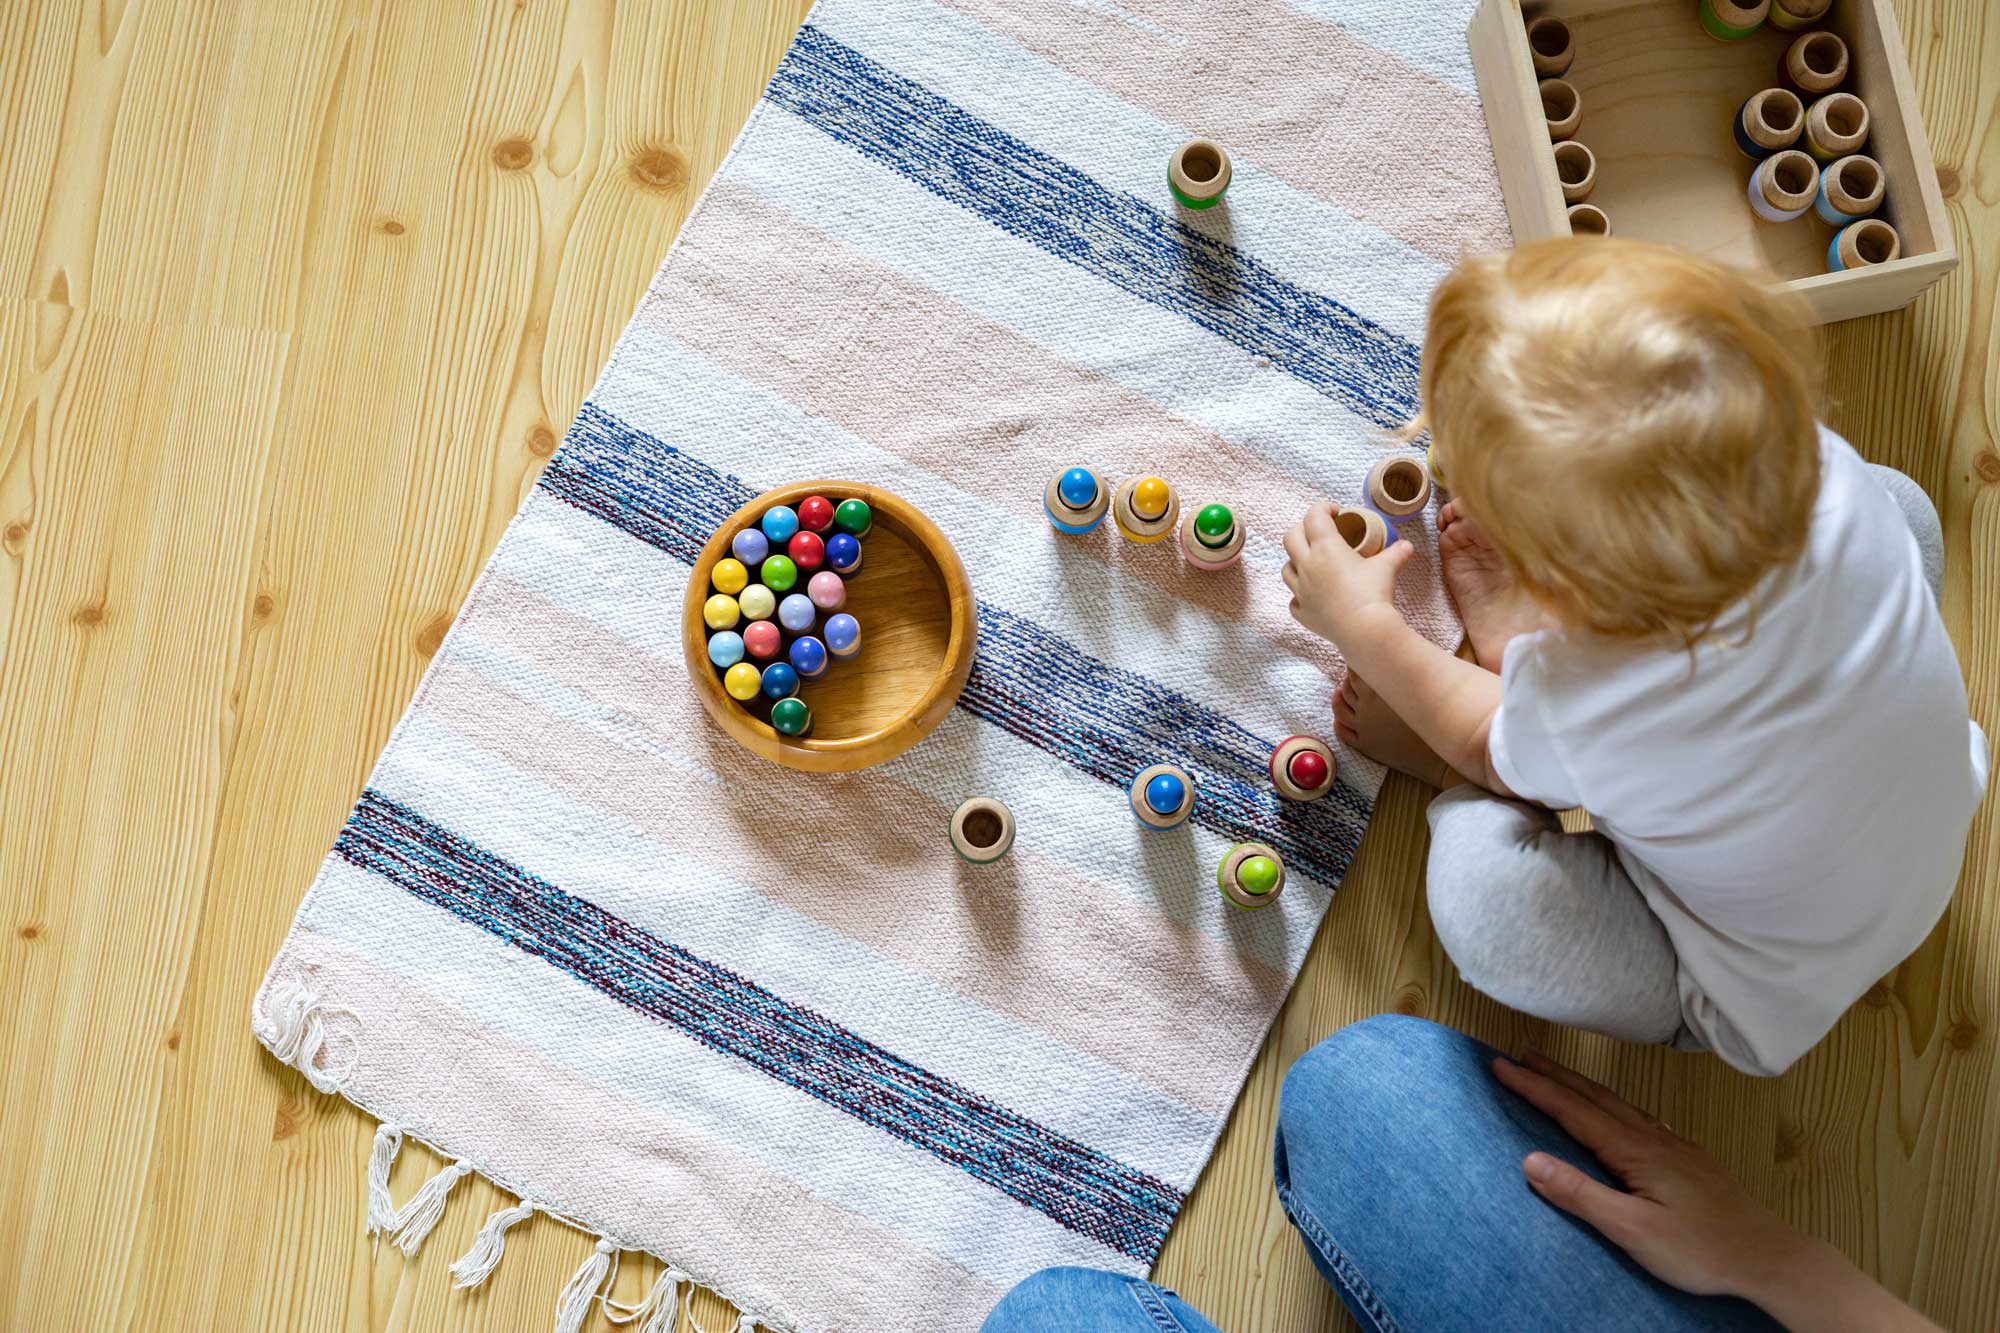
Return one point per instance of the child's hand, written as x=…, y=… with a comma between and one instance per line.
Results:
x=1333, y=589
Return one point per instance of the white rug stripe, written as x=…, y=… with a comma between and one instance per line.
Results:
x=571, y=1023
x=1299, y=235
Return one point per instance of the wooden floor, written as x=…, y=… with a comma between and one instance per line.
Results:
x=295, y=298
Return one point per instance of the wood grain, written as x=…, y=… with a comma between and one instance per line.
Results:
x=295, y=298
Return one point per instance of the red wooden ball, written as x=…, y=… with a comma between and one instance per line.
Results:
x=807, y=551
x=760, y=640
x=815, y=514
x=1307, y=769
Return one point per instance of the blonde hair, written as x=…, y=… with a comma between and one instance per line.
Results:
x=1632, y=427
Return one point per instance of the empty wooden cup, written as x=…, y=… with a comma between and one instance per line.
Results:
x=1770, y=122
x=1551, y=45
x=1849, y=190
x=1836, y=125
x=1588, y=220
x=1869, y=241
x=1784, y=186
x=1792, y=15
x=1576, y=171
x=1816, y=63
x=1562, y=107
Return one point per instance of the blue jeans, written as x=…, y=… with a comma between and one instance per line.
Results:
x=1399, y=1160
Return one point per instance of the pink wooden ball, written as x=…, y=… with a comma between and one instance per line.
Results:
x=827, y=590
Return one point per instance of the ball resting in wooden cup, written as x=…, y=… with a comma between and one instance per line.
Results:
x=1251, y=876
x=1398, y=487
x=1211, y=537
x=1162, y=796
x=1145, y=509
x=922, y=623
x=1302, y=768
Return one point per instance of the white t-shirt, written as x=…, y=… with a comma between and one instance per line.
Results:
x=1794, y=808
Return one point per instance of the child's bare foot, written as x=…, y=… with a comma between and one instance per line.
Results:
x=1492, y=606
x=1365, y=723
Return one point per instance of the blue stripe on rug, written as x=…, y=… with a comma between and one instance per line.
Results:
x=1116, y=236
x=1065, y=1180
x=1100, y=719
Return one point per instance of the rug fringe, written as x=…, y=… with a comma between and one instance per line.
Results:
x=577, y=1294
x=416, y=1218
x=293, y=1025
x=381, y=1157
x=477, y=1263
x=660, y=1310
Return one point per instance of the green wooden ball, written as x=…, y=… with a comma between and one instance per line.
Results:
x=1257, y=874
x=1214, y=524
x=854, y=516
x=790, y=717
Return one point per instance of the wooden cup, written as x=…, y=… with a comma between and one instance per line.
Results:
x=1363, y=529
x=1398, y=487
x=1770, y=122
x=1784, y=186
x=1551, y=46
x=1867, y=242
x=1562, y=107
x=1198, y=173
x=1588, y=220
x=1576, y=170
x=1816, y=63
x=1850, y=189
x=1836, y=125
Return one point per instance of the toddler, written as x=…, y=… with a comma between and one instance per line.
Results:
x=1696, y=613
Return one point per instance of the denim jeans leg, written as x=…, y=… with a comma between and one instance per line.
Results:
x=1398, y=1157
x=1088, y=1300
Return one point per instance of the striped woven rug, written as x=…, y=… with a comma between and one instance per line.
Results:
x=764, y=1025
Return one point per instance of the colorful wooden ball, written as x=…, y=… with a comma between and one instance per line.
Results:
x=827, y=591
x=721, y=611
x=843, y=553
x=808, y=552
x=1251, y=876
x=843, y=635
x=779, y=523
x=1302, y=768
x=1162, y=796
x=1214, y=525
x=1164, y=793
x=791, y=717
x=757, y=602
x=797, y=613
x=854, y=516
x=729, y=576
x=741, y=681
x=750, y=546
x=778, y=573
x=725, y=649
x=761, y=640
x=1149, y=497
x=808, y=657
x=779, y=681
x=1078, y=487
x=815, y=513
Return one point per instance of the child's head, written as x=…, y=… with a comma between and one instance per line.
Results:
x=1631, y=426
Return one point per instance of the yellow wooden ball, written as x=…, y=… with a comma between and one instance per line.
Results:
x=1149, y=497
x=730, y=576
x=741, y=681
x=721, y=611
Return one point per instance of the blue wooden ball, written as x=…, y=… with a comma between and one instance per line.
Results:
x=750, y=546
x=725, y=649
x=796, y=612
x=808, y=657
x=843, y=635
x=843, y=553
x=1078, y=488
x=780, y=681
x=1165, y=793
x=780, y=523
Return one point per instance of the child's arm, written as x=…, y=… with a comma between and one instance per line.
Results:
x=1350, y=600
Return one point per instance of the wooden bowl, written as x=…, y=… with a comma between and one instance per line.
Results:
x=919, y=623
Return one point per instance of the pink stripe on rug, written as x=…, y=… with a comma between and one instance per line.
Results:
x=873, y=370
x=1159, y=957
x=1359, y=127
x=644, y=1174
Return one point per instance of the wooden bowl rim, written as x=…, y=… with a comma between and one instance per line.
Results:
x=893, y=736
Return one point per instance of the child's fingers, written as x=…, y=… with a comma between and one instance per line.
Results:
x=1448, y=515
x=1398, y=555
x=1290, y=574
x=1295, y=542
x=1319, y=527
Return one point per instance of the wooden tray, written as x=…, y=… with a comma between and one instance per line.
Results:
x=1659, y=98
x=919, y=623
